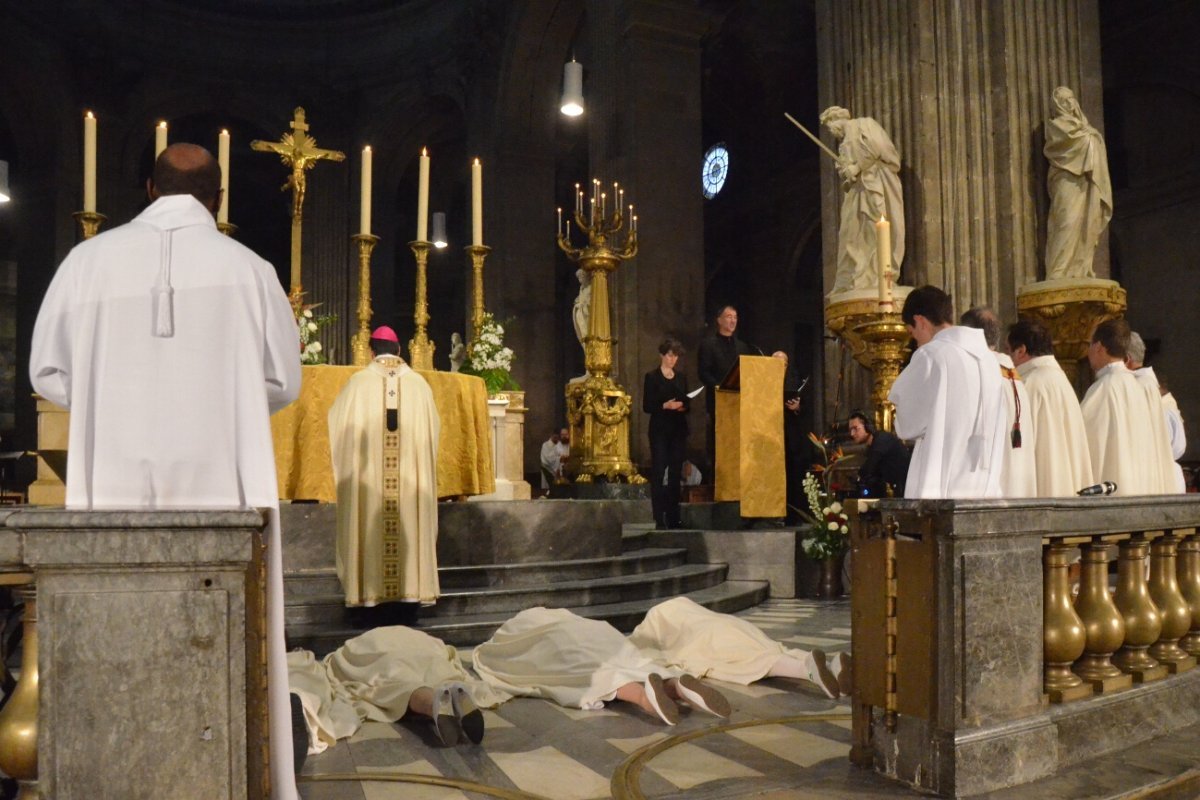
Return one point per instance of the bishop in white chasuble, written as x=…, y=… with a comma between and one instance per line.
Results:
x=383, y=436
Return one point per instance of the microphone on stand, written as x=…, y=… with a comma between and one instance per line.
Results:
x=1106, y=487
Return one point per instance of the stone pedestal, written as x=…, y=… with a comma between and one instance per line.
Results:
x=506, y=415
x=152, y=668
x=1070, y=309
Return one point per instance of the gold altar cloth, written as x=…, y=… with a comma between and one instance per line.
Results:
x=301, y=434
x=749, y=440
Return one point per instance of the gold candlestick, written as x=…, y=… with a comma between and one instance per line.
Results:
x=478, y=253
x=227, y=228
x=885, y=347
x=597, y=407
x=420, y=349
x=89, y=222
x=360, y=344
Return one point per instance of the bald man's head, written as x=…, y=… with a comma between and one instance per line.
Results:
x=187, y=169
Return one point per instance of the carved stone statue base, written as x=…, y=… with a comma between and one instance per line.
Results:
x=1071, y=308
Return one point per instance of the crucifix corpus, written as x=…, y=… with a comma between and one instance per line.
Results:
x=299, y=151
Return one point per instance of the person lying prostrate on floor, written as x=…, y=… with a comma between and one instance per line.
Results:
x=382, y=675
x=584, y=663
x=681, y=634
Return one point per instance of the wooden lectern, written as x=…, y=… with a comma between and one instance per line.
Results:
x=749, y=437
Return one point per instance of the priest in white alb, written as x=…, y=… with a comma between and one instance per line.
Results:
x=171, y=345
x=1126, y=435
x=948, y=402
x=1172, y=421
x=1020, y=462
x=383, y=436
x=1064, y=462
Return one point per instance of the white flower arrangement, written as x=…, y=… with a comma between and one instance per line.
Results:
x=828, y=522
x=309, y=327
x=489, y=358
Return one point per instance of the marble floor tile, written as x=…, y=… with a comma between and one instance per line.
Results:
x=550, y=773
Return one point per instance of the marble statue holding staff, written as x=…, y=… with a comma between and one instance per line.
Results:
x=870, y=168
x=1081, y=201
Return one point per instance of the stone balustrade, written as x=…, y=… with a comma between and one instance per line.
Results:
x=976, y=664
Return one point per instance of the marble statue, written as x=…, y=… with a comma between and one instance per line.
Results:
x=1081, y=201
x=870, y=168
x=582, y=311
x=458, y=352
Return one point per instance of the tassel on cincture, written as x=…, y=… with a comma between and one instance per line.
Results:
x=1016, y=436
x=164, y=312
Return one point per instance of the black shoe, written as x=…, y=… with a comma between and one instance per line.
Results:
x=299, y=733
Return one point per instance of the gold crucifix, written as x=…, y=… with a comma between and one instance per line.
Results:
x=299, y=151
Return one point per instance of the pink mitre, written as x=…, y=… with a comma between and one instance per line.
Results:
x=384, y=333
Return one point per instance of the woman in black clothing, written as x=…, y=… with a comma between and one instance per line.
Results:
x=664, y=398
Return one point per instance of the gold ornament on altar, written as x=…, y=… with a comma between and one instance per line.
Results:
x=299, y=151
x=597, y=407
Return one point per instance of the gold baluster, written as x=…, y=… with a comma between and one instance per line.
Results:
x=1188, y=569
x=1063, y=634
x=1176, y=614
x=1103, y=623
x=1143, y=620
x=19, y=717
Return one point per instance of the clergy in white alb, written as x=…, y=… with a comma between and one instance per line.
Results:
x=683, y=634
x=1175, y=431
x=560, y=656
x=171, y=345
x=1126, y=446
x=948, y=402
x=1064, y=462
x=1172, y=422
x=1019, y=476
x=383, y=437
x=373, y=677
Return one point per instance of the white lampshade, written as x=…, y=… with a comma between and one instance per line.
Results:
x=439, y=229
x=572, y=96
x=5, y=194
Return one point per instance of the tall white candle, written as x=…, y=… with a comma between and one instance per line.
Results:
x=89, y=162
x=160, y=139
x=883, y=253
x=365, y=203
x=476, y=203
x=223, y=163
x=423, y=197
x=558, y=228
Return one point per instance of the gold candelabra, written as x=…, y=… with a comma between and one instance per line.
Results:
x=479, y=254
x=420, y=349
x=597, y=407
x=227, y=228
x=360, y=345
x=89, y=222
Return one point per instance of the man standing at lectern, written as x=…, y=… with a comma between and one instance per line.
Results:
x=948, y=401
x=719, y=351
x=171, y=345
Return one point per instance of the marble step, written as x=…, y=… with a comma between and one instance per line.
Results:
x=467, y=630
x=316, y=582
x=668, y=582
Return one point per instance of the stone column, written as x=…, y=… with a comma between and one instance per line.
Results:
x=644, y=115
x=963, y=87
